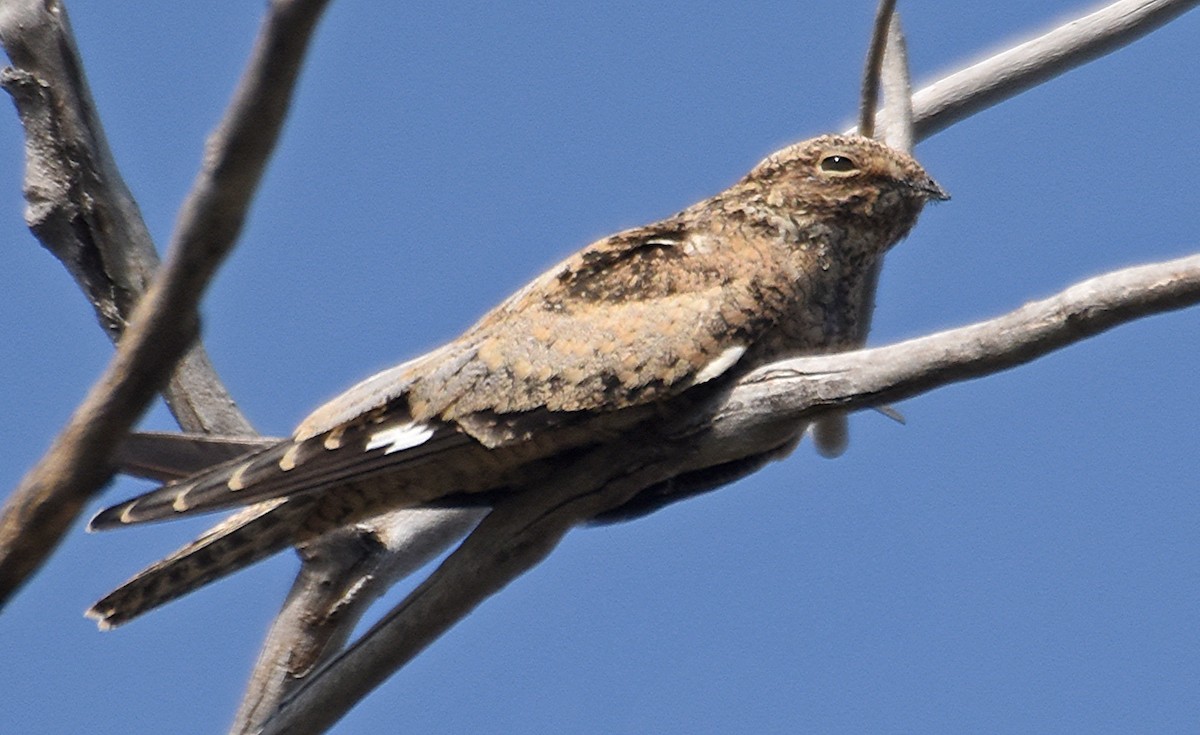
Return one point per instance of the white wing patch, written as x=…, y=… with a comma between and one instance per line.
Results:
x=697, y=244
x=401, y=437
x=720, y=364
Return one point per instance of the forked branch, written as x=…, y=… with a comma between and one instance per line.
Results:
x=165, y=321
x=758, y=414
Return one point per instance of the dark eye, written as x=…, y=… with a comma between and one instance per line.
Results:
x=838, y=164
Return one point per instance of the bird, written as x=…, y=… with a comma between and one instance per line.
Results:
x=631, y=328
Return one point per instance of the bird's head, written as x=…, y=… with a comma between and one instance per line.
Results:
x=847, y=177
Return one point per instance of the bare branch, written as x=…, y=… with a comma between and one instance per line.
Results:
x=790, y=390
x=165, y=321
x=871, y=73
x=521, y=531
x=341, y=576
x=78, y=204
x=759, y=414
x=82, y=211
x=896, y=125
x=1024, y=66
x=198, y=399
x=1055, y=52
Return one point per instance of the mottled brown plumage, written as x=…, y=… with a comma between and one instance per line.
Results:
x=778, y=264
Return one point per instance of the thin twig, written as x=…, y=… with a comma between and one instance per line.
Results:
x=897, y=114
x=340, y=576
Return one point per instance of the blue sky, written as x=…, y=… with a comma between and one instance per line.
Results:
x=1021, y=556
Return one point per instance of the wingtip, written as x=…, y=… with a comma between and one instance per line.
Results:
x=157, y=505
x=103, y=619
x=108, y=518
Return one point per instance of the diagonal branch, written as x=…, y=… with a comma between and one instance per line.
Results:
x=758, y=414
x=340, y=576
x=961, y=94
x=81, y=210
x=165, y=320
x=78, y=205
x=1026, y=65
x=514, y=537
x=1005, y=75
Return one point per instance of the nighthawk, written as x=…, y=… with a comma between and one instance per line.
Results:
x=620, y=333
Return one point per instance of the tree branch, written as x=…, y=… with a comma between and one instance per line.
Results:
x=792, y=389
x=1026, y=65
x=514, y=537
x=756, y=416
x=897, y=125
x=81, y=210
x=932, y=109
x=78, y=205
x=165, y=320
x=341, y=575
x=938, y=106
x=875, y=50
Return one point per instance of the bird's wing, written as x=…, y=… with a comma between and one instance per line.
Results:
x=633, y=318
x=378, y=391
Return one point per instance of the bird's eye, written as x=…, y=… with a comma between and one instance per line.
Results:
x=838, y=164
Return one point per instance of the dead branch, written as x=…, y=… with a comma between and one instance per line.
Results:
x=78, y=205
x=938, y=106
x=875, y=51
x=930, y=110
x=1026, y=65
x=759, y=414
x=165, y=320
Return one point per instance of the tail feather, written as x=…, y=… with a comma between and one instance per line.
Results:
x=293, y=468
x=168, y=500
x=167, y=456
x=246, y=537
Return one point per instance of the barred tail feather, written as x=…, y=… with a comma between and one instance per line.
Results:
x=292, y=468
x=172, y=499
x=246, y=537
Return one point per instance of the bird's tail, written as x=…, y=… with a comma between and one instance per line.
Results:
x=246, y=537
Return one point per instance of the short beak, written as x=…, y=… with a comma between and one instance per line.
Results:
x=932, y=190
